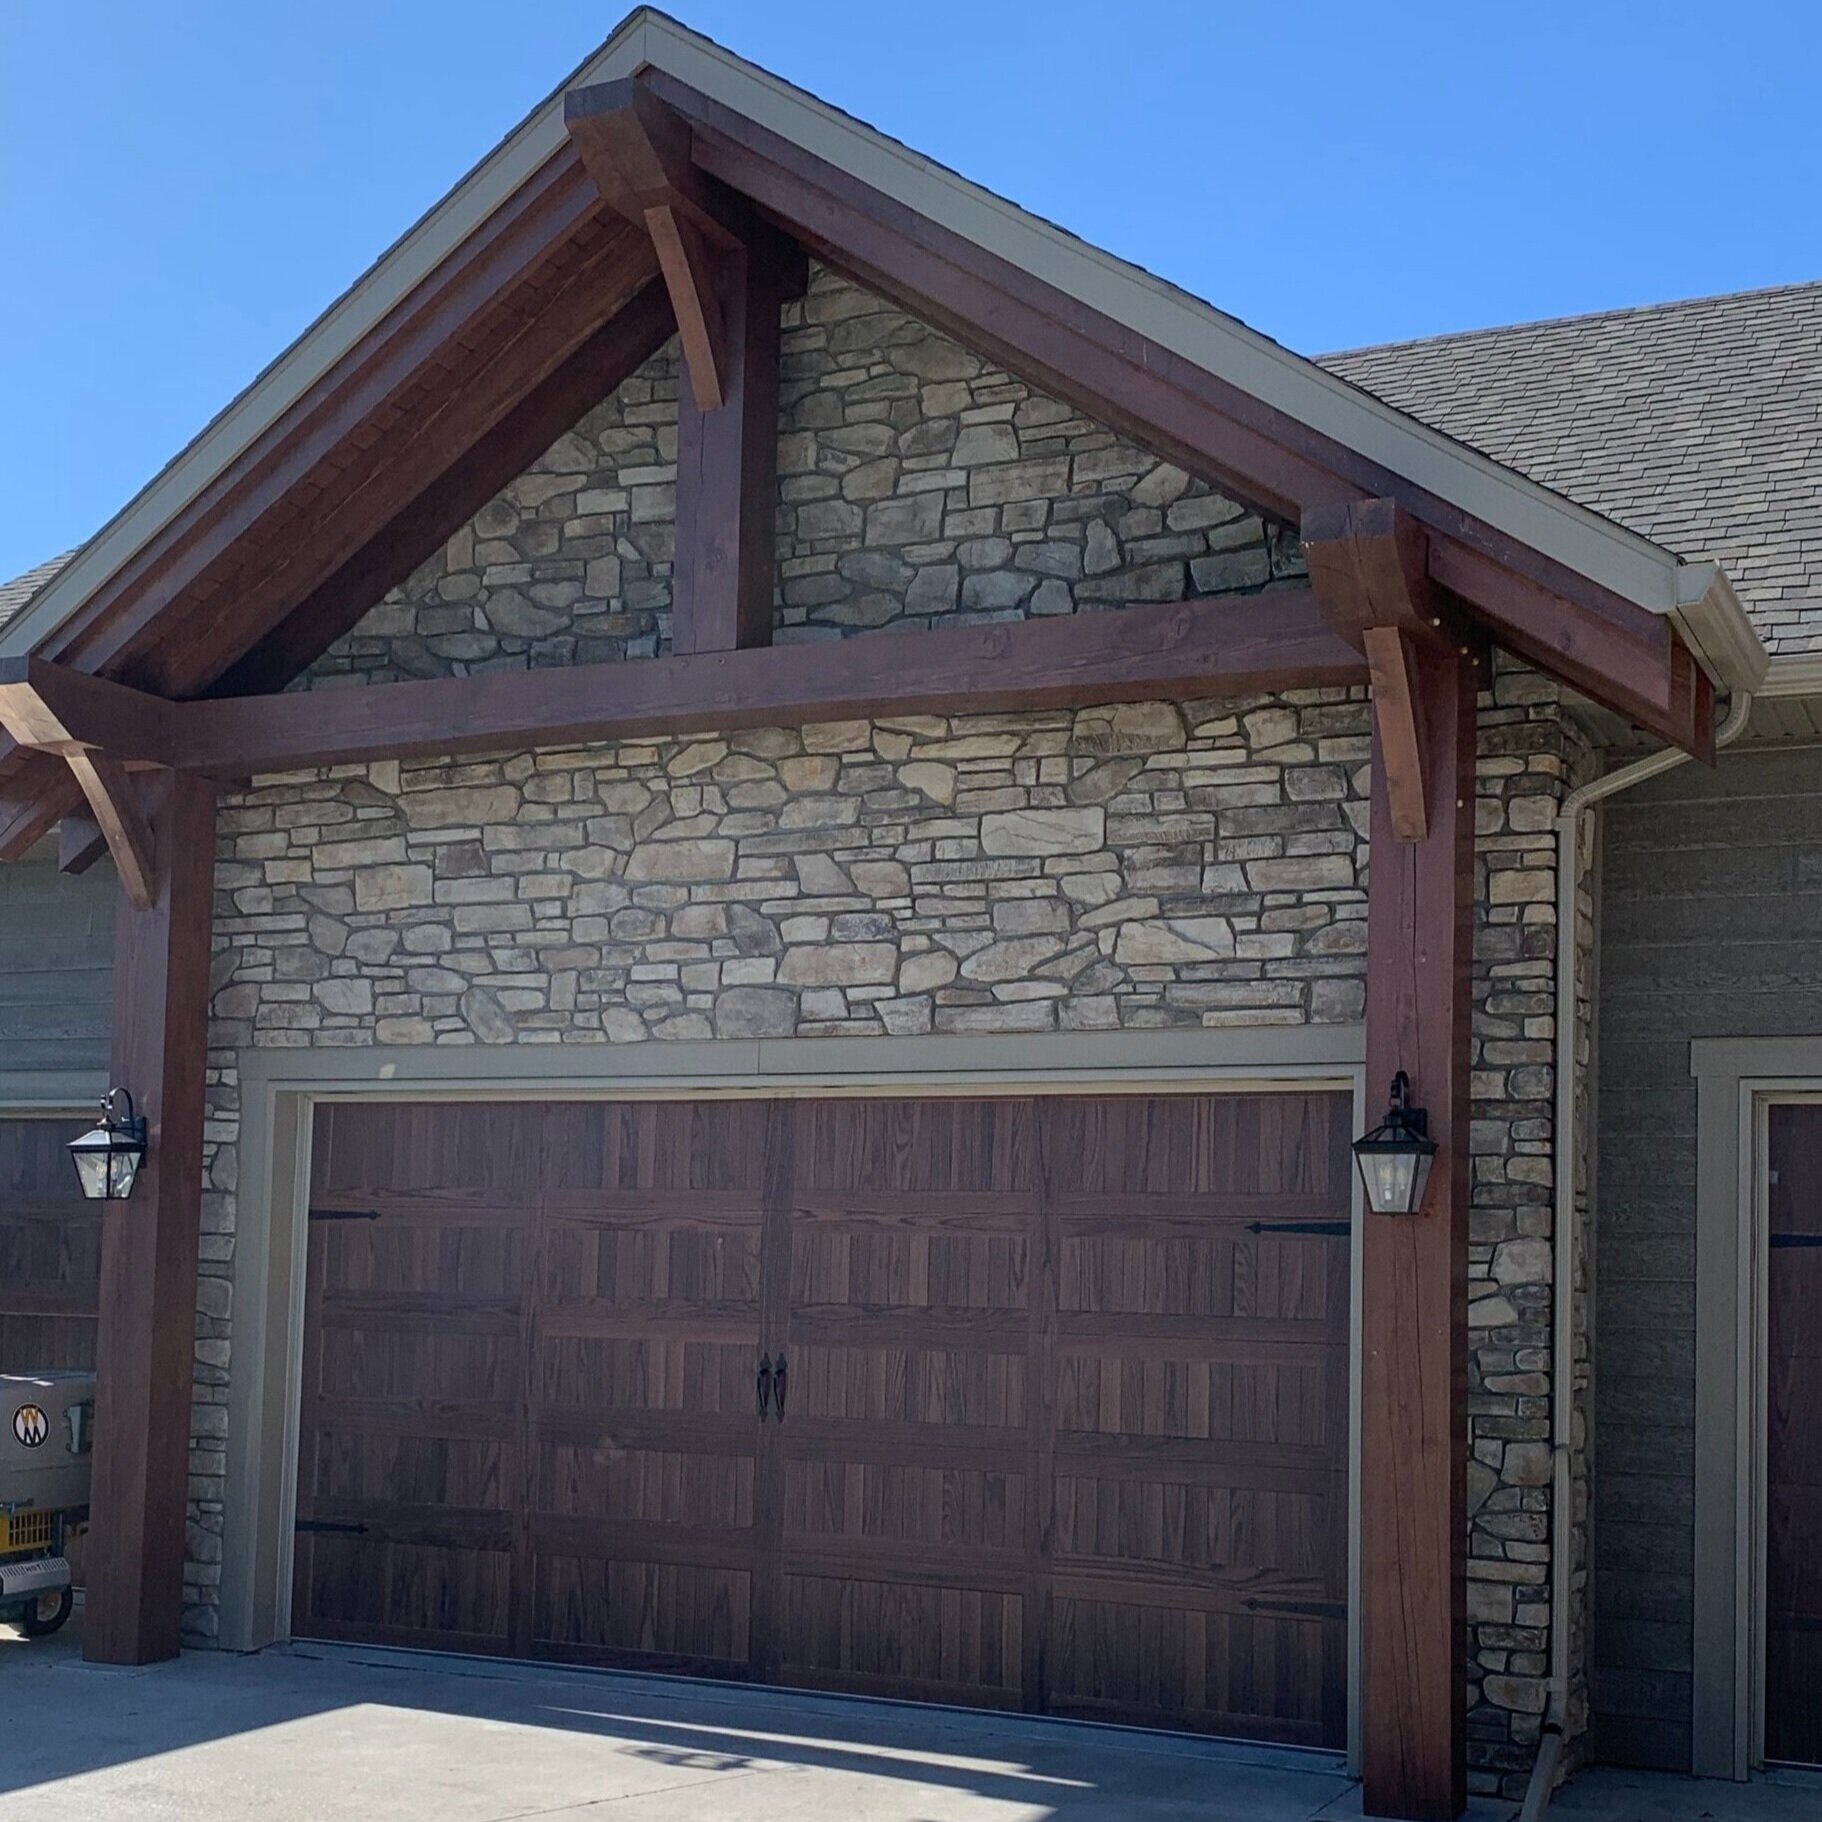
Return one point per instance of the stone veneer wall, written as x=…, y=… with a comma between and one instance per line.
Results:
x=917, y=484
x=1144, y=866
x=1140, y=866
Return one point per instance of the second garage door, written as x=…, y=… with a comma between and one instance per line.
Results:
x=1035, y=1402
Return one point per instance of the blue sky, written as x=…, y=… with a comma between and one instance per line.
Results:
x=184, y=186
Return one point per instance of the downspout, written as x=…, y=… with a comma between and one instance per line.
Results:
x=1566, y=1229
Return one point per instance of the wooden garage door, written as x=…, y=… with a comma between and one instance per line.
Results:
x=50, y=1249
x=1057, y=1417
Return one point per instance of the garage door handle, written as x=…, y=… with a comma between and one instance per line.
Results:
x=762, y=1386
x=781, y=1384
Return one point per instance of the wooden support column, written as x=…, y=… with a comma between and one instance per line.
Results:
x=727, y=473
x=146, y=1335
x=1414, y=1273
x=1368, y=566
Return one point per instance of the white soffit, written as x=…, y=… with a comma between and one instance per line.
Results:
x=1606, y=553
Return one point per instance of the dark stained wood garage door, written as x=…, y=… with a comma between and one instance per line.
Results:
x=50, y=1249
x=1057, y=1420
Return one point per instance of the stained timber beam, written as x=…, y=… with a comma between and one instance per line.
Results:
x=53, y=708
x=1413, y=1292
x=728, y=275
x=727, y=469
x=637, y=151
x=1236, y=645
x=1369, y=567
x=470, y=474
x=114, y=803
x=80, y=842
x=146, y=1334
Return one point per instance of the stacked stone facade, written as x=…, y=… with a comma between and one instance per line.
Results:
x=1142, y=866
x=917, y=485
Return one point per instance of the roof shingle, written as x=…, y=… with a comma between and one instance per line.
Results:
x=16, y=593
x=1697, y=424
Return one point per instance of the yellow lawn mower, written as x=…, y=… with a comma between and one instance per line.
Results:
x=46, y=1421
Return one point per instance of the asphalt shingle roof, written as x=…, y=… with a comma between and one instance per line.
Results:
x=1696, y=424
x=15, y=594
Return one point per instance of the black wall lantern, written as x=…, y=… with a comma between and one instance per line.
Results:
x=108, y=1156
x=1395, y=1157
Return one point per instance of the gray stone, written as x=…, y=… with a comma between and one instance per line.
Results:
x=755, y=1012
x=486, y=1017
x=682, y=861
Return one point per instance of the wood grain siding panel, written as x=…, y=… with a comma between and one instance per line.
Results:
x=56, y=971
x=1708, y=929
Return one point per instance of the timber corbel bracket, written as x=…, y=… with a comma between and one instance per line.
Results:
x=638, y=152
x=103, y=731
x=1369, y=566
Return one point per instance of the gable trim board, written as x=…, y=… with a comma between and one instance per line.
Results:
x=1282, y=384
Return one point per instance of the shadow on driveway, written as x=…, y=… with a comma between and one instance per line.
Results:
x=308, y=1733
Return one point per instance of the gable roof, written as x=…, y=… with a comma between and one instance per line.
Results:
x=1285, y=388
x=1697, y=424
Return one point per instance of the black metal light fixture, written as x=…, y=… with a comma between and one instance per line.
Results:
x=107, y=1157
x=1395, y=1157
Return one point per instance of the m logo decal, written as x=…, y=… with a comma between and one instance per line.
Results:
x=31, y=1426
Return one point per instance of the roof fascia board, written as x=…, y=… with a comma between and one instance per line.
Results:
x=1631, y=566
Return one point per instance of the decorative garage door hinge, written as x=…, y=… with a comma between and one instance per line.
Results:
x=1298, y=1227
x=338, y=1527
x=344, y=1214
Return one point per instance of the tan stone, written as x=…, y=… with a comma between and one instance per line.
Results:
x=1060, y=831
x=1012, y=959
x=469, y=807
x=699, y=756
x=837, y=737
x=392, y=888
x=809, y=772
x=935, y=780
x=925, y=973
x=839, y=965
x=1181, y=939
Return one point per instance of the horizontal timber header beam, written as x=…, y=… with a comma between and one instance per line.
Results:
x=1232, y=646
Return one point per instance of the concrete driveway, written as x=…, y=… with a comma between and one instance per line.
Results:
x=310, y=1734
